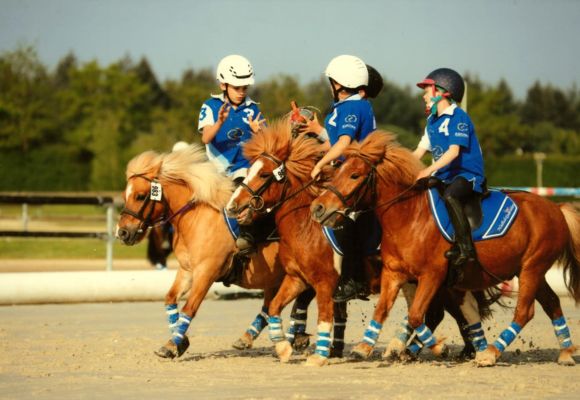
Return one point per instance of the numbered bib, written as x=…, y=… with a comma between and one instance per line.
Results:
x=156, y=191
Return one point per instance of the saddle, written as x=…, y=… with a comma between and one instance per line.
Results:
x=266, y=232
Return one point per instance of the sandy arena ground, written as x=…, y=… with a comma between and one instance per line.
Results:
x=105, y=351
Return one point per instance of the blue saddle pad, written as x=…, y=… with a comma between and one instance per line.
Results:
x=499, y=212
x=232, y=224
x=371, y=239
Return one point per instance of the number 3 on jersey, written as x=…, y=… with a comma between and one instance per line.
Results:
x=444, y=127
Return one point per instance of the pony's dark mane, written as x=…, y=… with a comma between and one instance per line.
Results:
x=395, y=163
x=299, y=155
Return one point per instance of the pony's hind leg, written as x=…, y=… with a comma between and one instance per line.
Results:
x=529, y=284
x=340, y=318
x=551, y=305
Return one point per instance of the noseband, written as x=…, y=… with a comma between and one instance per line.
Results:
x=257, y=202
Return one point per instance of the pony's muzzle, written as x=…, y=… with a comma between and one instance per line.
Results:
x=127, y=236
x=318, y=211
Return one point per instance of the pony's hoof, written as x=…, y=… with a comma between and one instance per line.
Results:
x=301, y=342
x=243, y=343
x=361, y=351
x=171, y=350
x=485, y=358
x=394, y=349
x=565, y=357
x=440, y=349
x=284, y=351
x=316, y=360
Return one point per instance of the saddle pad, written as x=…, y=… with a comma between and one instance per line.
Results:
x=232, y=224
x=499, y=212
x=371, y=239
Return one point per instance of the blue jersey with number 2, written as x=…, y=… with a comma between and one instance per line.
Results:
x=353, y=117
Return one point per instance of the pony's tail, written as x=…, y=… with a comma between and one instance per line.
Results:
x=570, y=258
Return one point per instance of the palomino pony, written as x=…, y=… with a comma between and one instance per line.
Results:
x=279, y=181
x=185, y=189
x=378, y=174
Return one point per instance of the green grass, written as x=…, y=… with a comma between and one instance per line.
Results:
x=65, y=248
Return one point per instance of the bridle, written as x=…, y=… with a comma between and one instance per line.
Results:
x=145, y=213
x=369, y=183
x=358, y=193
x=279, y=175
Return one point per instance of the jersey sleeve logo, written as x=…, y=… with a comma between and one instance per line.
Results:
x=351, y=118
x=463, y=127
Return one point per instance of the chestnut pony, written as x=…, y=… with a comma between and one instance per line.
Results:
x=378, y=175
x=185, y=189
x=279, y=181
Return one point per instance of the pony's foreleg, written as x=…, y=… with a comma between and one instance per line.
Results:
x=180, y=285
x=179, y=341
x=324, y=290
x=291, y=287
x=391, y=282
x=426, y=290
x=403, y=333
x=551, y=305
x=296, y=332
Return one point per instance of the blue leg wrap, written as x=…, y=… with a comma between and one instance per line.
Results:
x=323, y=344
x=507, y=336
x=425, y=335
x=477, y=337
x=297, y=324
x=179, y=331
x=415, y=346
x=372, y=332
x=562, y=332
x=259, y=323
x=404, y=331
x=275, y=331
x=172, y=316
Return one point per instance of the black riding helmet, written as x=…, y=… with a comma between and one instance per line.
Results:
x=375, y=82
x=447, y=79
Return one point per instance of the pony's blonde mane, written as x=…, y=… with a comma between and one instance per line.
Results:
x=189, y=166
x=395, y=164
x=299, y=155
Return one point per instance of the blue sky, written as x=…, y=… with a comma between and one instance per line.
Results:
x=522, y=41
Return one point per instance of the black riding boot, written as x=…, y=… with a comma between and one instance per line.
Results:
x=463, y=250
x=351, y=283
x=246, y=241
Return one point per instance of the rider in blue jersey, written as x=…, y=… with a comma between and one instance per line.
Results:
x=457, y=157
x=351, y=118
x=228, y=120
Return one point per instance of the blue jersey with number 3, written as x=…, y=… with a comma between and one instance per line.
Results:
x=455, y=127
x=353, y=117
x=225, y=149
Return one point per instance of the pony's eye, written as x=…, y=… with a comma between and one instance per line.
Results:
x=265, y=175
x=140, y=197
x=355, y=176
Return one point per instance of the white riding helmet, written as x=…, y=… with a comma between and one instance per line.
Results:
x=349, y=71
x=235, y=70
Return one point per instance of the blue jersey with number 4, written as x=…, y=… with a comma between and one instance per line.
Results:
x=454, y=126
x=353, y=117
x=225, y=149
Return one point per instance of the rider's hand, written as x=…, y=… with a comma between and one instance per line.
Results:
x=256, y=124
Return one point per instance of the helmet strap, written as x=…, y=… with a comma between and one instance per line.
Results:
x=227, y=96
